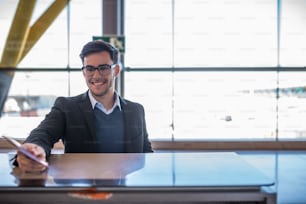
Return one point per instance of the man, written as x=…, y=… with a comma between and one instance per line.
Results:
x=98, y=121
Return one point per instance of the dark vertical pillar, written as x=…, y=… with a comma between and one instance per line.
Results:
x=6, y=78
x=113, y=24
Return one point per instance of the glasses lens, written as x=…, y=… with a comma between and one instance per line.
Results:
x=89, y=68
x=104, y=67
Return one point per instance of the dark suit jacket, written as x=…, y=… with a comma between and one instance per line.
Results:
x=72, y=120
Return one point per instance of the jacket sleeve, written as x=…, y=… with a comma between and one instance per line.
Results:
x=147, y=147
x=50, y=130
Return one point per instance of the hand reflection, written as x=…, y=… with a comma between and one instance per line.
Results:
x=29, y=179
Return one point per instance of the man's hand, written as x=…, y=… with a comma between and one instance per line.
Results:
x=28, y=165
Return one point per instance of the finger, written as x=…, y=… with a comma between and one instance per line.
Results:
x=38, y=152
x=26, y=164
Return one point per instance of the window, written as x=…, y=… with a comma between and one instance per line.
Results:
x=203, y=69
x=231, y=50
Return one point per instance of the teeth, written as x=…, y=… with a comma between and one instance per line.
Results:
x=97, y=83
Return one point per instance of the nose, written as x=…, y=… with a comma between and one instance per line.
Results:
x=97, y=72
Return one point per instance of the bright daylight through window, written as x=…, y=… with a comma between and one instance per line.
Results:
x=203, y=69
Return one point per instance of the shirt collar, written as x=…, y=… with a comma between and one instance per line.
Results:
x=94, y=102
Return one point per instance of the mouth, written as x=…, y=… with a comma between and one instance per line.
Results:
x=98, y=82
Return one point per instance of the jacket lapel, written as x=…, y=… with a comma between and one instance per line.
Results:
x=86, y=110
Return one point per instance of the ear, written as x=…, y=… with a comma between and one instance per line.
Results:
x=117, y=70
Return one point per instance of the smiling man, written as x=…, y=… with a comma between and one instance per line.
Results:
x=98, y=121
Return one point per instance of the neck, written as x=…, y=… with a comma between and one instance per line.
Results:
x=107, y=100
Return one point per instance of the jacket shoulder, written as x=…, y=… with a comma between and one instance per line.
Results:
x=71, y=99
x=130, y=103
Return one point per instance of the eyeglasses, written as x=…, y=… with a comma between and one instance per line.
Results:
x=102, y=68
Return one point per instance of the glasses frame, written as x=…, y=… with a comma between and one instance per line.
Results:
x=102, y=68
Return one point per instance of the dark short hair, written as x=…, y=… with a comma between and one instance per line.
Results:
x=99, y=46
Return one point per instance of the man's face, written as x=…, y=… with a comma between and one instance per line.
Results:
x=100, y=83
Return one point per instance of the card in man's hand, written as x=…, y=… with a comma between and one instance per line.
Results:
x=21, y=149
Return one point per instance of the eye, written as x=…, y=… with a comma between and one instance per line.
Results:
x=104, y=67
x=90, y=68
